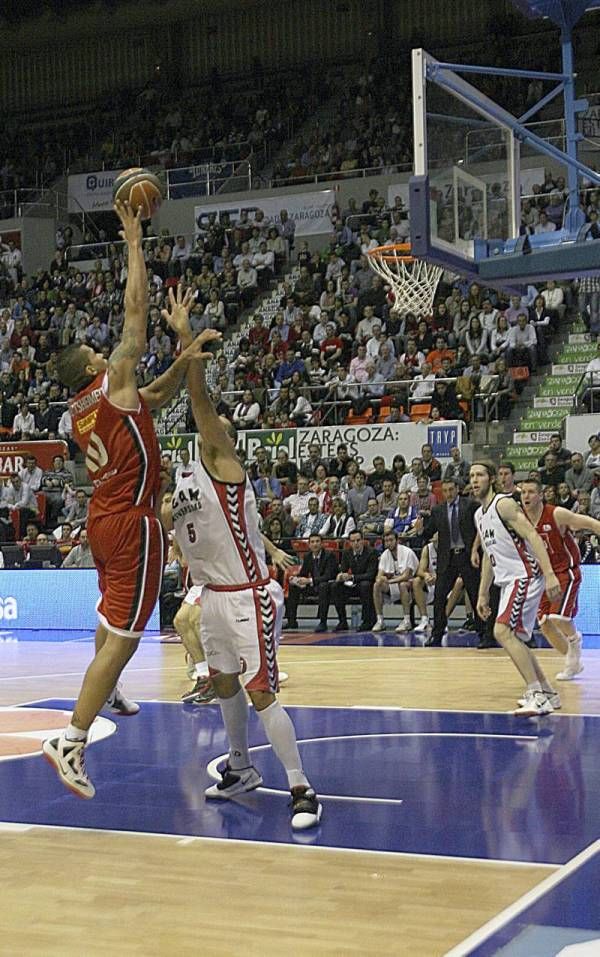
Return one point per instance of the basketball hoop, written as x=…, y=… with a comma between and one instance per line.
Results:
x=413, y=281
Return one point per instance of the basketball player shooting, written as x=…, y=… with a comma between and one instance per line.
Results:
x=216, y=523
x=555, y=526
x=113, y=426
x=516, y=559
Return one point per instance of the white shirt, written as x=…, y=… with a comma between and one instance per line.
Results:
x=32, y=479
x=405, y=558
x=65, y=425
x=553, y=297
x=298, y=504
x=525, y=337
x=408, y=483
x=24, y=423
x=423, y=387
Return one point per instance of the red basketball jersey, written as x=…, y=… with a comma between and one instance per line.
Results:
x=562, y=549
x=121, y=450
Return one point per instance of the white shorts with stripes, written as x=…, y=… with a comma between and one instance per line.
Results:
x=519, y=603
x=240, y=631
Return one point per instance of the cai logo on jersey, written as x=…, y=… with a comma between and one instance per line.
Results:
x=96, y=456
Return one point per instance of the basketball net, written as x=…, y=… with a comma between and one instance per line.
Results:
x=412, y=281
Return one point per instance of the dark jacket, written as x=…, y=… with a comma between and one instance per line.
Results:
x=324, y=570
x=363, y=567
x=438, y=522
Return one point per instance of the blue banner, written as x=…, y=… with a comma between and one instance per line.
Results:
x=57, y=599
x=442, y=438
x=588, y=616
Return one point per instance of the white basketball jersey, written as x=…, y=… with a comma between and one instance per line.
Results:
x=509, y=554
x=432, y=556
x=217, y=528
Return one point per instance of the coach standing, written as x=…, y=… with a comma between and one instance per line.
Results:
x=453, y=520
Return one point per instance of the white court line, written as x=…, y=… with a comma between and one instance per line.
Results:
x=531, y=897
x=188, y=839
x=75, y=674
x=214, y=774
x=336, y=707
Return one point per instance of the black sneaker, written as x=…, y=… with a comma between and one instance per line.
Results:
x=289, y=625
x=306, y=810
x=342, y=626
x=469, y=624
x=202, y=692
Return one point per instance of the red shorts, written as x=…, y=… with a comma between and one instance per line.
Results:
x=129, y=550
x=566, y=605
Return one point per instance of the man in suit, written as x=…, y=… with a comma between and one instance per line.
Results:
x=319, y=568
x=358, y=570
x=453, y=520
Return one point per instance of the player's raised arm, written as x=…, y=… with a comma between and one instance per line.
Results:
x=122, y=363
x=218, y=444
x=166, y=386
x=513, y=515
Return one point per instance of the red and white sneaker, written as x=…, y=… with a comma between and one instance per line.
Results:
x=68, y=759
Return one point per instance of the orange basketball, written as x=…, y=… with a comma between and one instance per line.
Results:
x=140, y=188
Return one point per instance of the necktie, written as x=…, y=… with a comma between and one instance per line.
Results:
x=454, y=533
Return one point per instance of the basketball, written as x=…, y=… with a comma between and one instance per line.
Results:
x=140, y=188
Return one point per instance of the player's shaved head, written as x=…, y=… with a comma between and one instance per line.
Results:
x=73, y=366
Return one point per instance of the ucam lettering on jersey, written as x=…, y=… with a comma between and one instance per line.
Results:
x=9, y=610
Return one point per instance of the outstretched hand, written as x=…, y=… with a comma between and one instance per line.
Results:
x=131, y=222
x=282, y=560
x=195, y=349
x=177, y=316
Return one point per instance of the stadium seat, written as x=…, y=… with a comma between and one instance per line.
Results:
x=353, y=419
x=419, y=411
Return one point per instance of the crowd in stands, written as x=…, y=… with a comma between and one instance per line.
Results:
x=164, y=127
x=334, y=349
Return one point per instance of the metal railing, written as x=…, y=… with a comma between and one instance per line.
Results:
x=304, y=178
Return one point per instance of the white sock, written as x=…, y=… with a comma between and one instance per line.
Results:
x=75, y=734
x=235, y=719
x=534, y=686
x=280, y=732
x=201, y=669
x=380, y=619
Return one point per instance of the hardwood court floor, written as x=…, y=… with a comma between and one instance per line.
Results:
x=85, y=892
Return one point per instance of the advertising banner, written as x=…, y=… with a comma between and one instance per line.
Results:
x=13, y=455
x=364, y=441
x=69, y=599
x=310, y=211
x=578, y=430
x=92, y=192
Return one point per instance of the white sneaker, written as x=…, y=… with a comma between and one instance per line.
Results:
x=423, y=624
x=234, y=782
x=404, y=625
x=306, y=809
x=119, y=703
x=553, y=698
x=379, y=625
x=283, y=677
x=573, y=664
x=535, y=704
x=68, y=759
